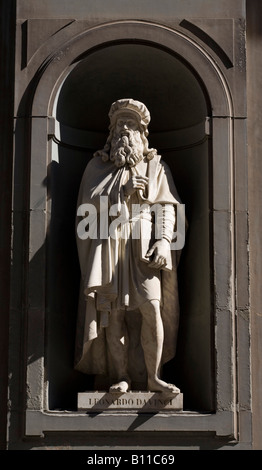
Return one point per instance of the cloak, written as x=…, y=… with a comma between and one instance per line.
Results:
x=98, y=259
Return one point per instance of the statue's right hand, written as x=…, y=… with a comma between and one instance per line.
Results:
x=134, y=183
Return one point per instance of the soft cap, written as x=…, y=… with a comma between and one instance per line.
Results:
x=129, y=105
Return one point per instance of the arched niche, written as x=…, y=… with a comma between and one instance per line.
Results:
x=179, y=110
x=195, y=86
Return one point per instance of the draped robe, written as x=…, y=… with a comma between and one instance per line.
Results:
x=108, y=264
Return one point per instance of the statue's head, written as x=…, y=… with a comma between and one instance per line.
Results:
x=127, y=142
x=138, y=111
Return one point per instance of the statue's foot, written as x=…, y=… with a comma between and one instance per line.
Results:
x=157, y=385
x=120, y=387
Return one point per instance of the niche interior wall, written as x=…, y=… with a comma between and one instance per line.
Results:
x=178, y=130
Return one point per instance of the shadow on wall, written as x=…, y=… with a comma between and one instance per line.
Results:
x=63, y=281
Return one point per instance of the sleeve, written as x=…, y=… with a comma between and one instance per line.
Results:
x=165, y=221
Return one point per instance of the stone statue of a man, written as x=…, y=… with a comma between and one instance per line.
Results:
x=120, y=272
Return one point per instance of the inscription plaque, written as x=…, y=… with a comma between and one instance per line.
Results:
x=141, y=401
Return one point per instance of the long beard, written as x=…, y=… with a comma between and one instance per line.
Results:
x=126, y=149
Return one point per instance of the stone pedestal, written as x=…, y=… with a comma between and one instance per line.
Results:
x=144, y=402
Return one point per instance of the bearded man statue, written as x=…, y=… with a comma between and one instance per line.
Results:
x=125, y=276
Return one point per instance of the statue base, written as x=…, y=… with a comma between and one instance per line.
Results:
x=143, y=402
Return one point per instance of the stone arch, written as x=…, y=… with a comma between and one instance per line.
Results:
x=158, y=35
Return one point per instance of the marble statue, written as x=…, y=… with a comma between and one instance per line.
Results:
x=122, y=273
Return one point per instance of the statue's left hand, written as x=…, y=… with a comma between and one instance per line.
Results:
x=160, y=250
